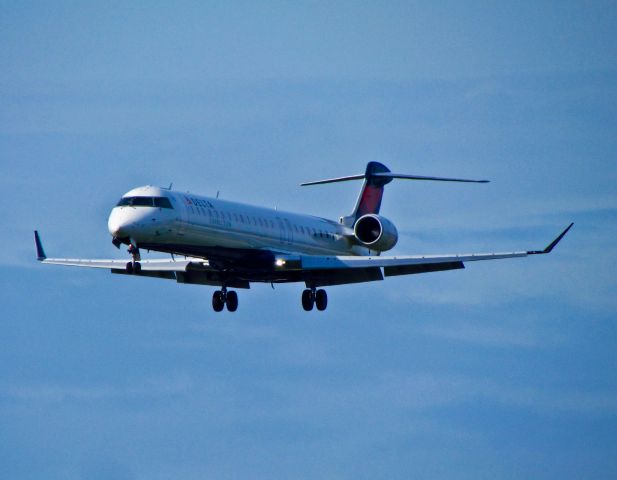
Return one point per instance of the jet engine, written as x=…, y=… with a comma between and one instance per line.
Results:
x=375, y=232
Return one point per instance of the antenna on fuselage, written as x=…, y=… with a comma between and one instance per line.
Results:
x=171, y=184
x=217, y=194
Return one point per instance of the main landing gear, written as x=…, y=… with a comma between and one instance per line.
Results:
x=318, y=298
x=220, y=298
x=134, y=267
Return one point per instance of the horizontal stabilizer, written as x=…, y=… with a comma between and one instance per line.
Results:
x=419, y=177
x=334, y=180
x=389, y=176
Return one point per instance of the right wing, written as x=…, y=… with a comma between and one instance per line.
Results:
x=161, y=265
x=188, y=270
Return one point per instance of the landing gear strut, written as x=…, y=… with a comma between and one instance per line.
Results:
x=134, y=266
x=222, y=297
x=312, y=296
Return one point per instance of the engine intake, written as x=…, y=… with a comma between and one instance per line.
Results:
x=375, y=232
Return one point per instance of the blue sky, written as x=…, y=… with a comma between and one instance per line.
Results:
x=503, y=370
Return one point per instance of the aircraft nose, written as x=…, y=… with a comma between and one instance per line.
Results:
x=119, y=224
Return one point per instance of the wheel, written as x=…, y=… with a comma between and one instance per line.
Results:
x=137, y=268
x=232, y=301
x=218, y=301
x=129, y=268
x=307, y=300
x=321, y=300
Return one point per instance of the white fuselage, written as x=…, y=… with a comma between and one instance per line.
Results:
x=190, y=220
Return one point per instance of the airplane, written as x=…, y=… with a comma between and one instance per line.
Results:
x=231, y=245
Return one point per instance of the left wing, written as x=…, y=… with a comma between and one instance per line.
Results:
x=402, y=265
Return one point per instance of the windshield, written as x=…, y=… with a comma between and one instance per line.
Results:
x=160, y=202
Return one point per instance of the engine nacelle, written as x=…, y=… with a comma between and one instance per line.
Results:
x=375, y=232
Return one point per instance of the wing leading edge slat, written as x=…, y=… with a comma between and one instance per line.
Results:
x=341, y=262
x=163, y=265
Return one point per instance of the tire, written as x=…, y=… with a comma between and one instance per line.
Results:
x=321, y=300
x=232, y=301
x=129, y=268
x=307, y=300
x=218, y=301
x=137, y=268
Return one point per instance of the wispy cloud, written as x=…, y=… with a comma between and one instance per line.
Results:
x=420, y=392
x=153, y=388
x=492, y=335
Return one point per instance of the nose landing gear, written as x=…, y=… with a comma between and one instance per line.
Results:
x=222, y=297
x=134, y=267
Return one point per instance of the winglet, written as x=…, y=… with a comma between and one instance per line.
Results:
x=40, y=253
x=550, y=247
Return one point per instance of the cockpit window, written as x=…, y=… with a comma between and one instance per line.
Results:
x=161, y=202
x=142, y=202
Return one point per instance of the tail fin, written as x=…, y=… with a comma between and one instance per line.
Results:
x=375, y=178
x=369, y=200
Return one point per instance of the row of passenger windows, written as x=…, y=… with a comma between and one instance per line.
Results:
x=261, y=222
x=161, y=202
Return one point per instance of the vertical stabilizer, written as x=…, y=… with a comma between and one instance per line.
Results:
x=369, y=200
